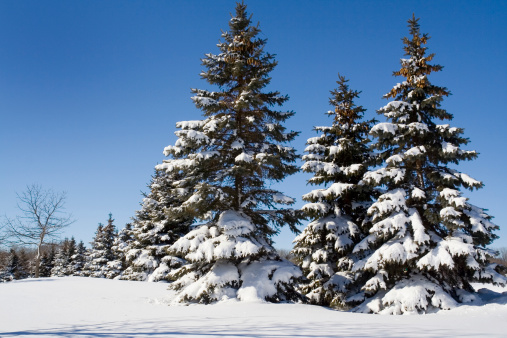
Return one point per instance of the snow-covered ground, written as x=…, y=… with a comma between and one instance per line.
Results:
x=90, y=307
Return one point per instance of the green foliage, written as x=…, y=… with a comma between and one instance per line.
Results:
x=338, y=159
x=233, y=154
x=228, y=162
x=423, y=231
x=153, y=231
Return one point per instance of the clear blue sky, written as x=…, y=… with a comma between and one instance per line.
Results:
x=90, y=91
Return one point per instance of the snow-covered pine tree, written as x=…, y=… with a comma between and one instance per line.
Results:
x=43, y=265
x=427, y=242
x=78, y=260
x=70, y=252
x=47, y=261
x=24, y=266
x=17, y=266
x=101, y=253
x=94, y=260
x=233, y=154
x=5, y=275
x=61, y=261
x=121, y=241
x=11, y=268
x=63, y=264
x=337, y=158
x=153, y=232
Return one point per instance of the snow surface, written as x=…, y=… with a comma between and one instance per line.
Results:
x=95, y=307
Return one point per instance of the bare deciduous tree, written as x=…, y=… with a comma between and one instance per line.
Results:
x=42, y=218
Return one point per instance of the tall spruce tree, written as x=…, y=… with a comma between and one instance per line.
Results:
x=232, y=156
x=337, y=158
x=153, y=232
x=426, y=243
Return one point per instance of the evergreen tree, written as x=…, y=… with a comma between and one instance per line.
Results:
x=113, y=267
x=17, y=266
x=78, y=260
x=23, y=269
x=232, y=156
x=121, y=241
x=5, y=276
x=101, y=256
x=63, y=264
x=12, y=266
x=43, y=271
x=70, y=252
x=92, y=264
x=426, y=243
x=47, y=262
x=153, y=232
x=337, y=158
x=61, y=260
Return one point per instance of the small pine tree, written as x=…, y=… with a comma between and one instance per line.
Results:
x=63, y=264
x=101, y=254
x=70, y=252
x=94, y=260
x=17, y=266
x=61, y=260
x=23, y=270
x=12, y=267
x=337, y=158
x=43, y=271
x=229, y=157
x=120, y=244
x=5, y=276
x=426, y=243
x=153, y=232
x=113, y=267
x=47, y=261
x=78, y=260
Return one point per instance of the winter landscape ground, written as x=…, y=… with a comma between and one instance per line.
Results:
x=95, y=307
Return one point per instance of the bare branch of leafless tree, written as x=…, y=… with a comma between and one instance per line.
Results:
x=42, y=218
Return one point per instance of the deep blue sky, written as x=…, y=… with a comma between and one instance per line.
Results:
x=90, y=91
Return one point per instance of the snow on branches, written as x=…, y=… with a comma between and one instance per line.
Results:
x=426, y=241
